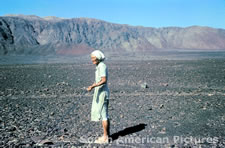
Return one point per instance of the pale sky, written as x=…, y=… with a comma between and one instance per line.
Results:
x=148, y=13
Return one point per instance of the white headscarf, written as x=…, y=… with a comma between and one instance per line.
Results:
x=99, y=55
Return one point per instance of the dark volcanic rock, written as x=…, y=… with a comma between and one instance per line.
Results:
x=191, y=105
x=22, y=34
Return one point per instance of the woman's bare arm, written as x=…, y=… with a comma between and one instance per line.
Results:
x=103, y=81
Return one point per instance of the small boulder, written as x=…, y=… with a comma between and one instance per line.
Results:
x=144, y=85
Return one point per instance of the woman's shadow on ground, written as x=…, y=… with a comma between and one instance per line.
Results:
x=129, y=130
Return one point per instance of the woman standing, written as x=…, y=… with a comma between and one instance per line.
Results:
x=99, y=110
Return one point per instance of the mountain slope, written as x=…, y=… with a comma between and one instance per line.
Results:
x=20, y=34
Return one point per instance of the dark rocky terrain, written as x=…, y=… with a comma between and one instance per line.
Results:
x=32, y=35
x=149, y=99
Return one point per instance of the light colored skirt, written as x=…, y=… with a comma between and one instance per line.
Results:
x=99, y=109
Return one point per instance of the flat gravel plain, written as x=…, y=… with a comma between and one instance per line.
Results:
x=153, y=103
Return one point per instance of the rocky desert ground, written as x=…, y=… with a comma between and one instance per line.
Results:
x=153, y=103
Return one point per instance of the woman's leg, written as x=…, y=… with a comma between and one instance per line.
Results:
x=105, y=124
x=105, y=121
x=105, y=137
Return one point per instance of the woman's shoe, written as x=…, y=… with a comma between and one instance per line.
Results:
x=102, y=140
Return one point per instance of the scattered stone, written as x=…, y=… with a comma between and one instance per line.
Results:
x=46, y=89
x=176, y=124
x=9, y=95
x=65, y=130
x=35, y=115
x=61, y=138
x=163, y=131
x=12, y=128
x=150, y=108
x=14, y=141
x=164, y=84
x=144, y=85
x=161, y=106
x=210, y=95
x=204, y=108
x=45, y=142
